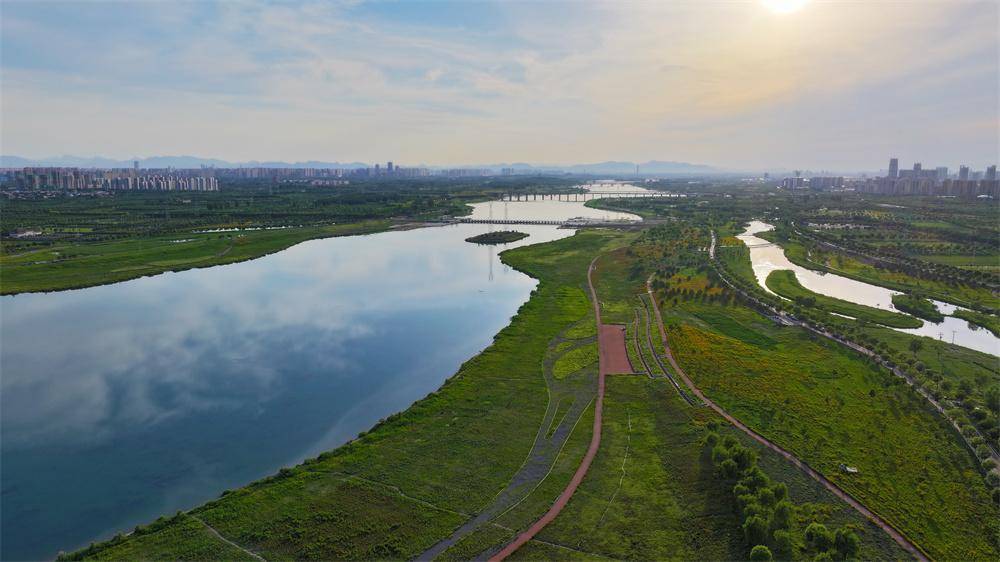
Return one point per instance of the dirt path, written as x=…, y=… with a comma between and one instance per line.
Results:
x=595, y=440
x=836, y=490
x=219, y=536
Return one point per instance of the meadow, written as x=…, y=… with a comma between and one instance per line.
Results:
x=831, y=408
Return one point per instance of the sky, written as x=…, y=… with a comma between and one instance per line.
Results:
x=742, y=85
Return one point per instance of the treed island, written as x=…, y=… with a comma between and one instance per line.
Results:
x=749, y=417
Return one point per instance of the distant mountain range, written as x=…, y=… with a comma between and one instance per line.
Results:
x=610, y=167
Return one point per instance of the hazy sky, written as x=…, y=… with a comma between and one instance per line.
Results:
x=833, y=85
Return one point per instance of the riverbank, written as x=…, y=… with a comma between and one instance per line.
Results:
x=75, y=266
x=414, y=478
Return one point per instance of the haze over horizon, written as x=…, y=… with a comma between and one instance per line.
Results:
x=832, y=85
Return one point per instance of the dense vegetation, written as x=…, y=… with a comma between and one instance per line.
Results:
x=917, y=306
x=498, y=237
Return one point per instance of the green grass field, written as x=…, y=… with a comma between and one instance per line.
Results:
x=784, y=283
x=829, y=407
x=71, y=266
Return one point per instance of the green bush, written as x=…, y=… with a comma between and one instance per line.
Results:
x=760, y=552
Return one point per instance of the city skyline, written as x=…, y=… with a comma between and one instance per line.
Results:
x=831, y=86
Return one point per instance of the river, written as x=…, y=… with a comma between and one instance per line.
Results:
x=124, y=402
x=767, y=257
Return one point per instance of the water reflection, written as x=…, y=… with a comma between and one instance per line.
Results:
x=124, y=402
x=766, y=257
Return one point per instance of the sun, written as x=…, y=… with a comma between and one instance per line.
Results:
x=784, y=6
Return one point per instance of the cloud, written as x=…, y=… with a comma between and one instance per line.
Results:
x=445, y=83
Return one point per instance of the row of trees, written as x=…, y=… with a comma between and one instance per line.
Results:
x=771, y=526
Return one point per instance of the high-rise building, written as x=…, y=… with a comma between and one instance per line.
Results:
x=991, y=173
x=963, y=173
x=389, y=168
x=942, y=173
x=917, y=168
x=894, y=168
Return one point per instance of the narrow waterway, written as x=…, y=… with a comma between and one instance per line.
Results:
x=767, y=257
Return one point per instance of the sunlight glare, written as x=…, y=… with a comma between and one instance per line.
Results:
x=784, y=6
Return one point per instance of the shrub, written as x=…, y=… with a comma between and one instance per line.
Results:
x=760, y=552
x=780, y=491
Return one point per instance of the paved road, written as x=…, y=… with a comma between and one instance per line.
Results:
x=595, y=440
x=836, y=490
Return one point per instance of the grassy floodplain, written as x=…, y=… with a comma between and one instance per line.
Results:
x=411, y=480
x=71, y=266
x=847, y=266
x=983, y=320
x=829, y=407
x=917, y=306
x=784, y=283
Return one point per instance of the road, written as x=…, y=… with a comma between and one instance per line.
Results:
x=595, y=440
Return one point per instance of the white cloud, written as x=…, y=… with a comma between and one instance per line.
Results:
x=623, y=80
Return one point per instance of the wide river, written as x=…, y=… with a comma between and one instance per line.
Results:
x=767, y=257
x=125, y=402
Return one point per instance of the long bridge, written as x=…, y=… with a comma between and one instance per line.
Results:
x=574, y=222
x=586, y=196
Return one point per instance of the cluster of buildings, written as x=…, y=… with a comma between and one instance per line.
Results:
x=820, y=182
x=933, y=181
x=115, y=179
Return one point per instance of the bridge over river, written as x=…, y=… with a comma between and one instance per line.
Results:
x=587, y=195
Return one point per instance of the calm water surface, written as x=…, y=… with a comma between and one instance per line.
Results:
x=125, y=402
x=767, y=257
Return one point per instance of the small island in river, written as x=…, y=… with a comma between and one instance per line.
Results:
x=498, y=237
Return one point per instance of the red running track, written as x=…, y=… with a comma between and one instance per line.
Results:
x=614, y=352
x=603, y=344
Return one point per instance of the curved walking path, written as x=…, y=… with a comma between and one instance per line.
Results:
x=595, y=440
x=833, y=488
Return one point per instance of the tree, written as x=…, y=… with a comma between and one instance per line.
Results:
x=728, y=469
x=916, y=345
x=760, y=552
x=818, y=536
x=781, y=517
x=784, y=546
x=755, y=529
x=847, y=543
